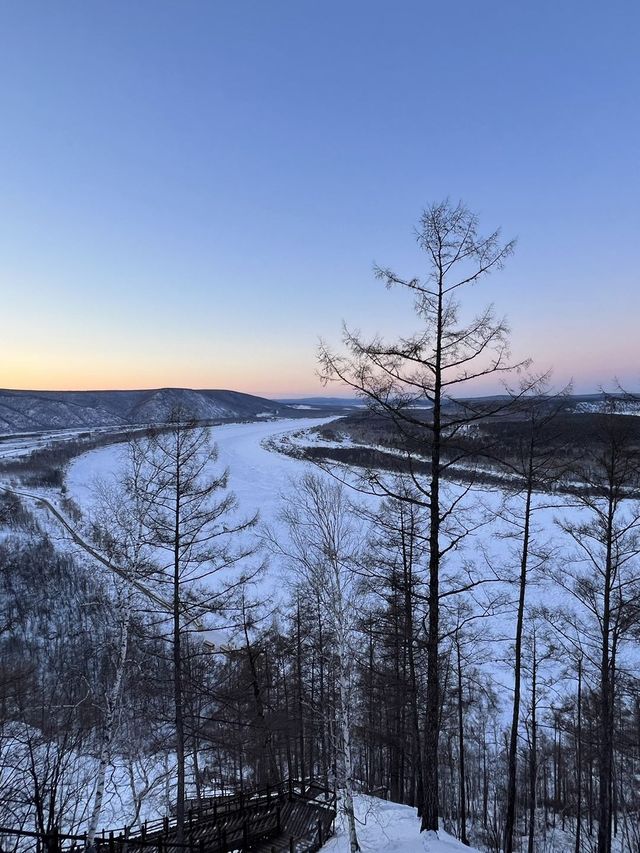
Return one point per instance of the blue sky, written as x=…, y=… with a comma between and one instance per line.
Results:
x=193, y=192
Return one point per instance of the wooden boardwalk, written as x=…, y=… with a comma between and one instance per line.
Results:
x=296, y=816
x=293, y=817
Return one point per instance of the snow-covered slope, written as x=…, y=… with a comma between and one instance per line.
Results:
x=22, y=411
x=385, y=827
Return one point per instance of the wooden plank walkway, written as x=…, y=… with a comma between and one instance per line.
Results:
x=295, y=816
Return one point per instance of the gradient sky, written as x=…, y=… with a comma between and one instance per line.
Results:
x=192, y=192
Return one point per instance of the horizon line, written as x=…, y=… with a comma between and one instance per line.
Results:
x=599, y=390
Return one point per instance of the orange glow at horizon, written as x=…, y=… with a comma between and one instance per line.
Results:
x=263, y=382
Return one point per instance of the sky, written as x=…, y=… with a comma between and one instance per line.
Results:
x=193, y=193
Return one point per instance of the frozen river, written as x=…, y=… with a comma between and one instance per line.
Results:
x=257, y=476
x=260, y=477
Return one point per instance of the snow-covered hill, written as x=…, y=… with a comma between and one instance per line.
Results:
x=24, y=411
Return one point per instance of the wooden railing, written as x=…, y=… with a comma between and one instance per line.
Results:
x=296, y=813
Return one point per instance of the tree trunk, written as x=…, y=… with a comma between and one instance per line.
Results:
x=515, y=715
x=112, y=704
x=579, y=761
x=533, y=763
x=413, y=687
x=463, y=792
x=605, y=745
x=345, y=772
x=432, y=730
x=177, y=671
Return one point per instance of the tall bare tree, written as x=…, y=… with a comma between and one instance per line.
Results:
x=118, y=528
x=426, y=369
x=533, y=466
x=191, y=521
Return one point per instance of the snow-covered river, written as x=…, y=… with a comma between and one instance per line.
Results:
x=257, y=476
x=260, y=477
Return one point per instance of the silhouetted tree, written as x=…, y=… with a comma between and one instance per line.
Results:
x=427, y=369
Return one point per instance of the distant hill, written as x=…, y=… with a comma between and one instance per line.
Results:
x=323, y=402
x=32, y=411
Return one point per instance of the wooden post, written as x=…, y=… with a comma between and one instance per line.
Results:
x=292, y=845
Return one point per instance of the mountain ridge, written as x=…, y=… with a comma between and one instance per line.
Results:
x=24, y=410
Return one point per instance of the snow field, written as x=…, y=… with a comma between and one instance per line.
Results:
x=385, y=827
x=260, y=476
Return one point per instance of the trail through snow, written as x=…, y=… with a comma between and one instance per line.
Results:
x=385, y=827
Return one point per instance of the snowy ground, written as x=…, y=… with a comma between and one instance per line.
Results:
x=385, y=827
x=16, y=445
x=257, y=476
x=260, y=476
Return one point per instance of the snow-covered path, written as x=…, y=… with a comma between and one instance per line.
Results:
x=385, y=827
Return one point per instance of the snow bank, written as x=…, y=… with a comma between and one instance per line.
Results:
x=385, y=827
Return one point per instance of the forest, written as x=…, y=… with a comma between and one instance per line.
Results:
x=455, y=624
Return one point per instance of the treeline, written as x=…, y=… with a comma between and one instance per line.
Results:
x=45, y=466
x=485, y=452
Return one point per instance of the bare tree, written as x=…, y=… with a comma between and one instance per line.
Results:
x=425, y=370
x=323, y=547
x=191, y=521
x=119, y=529
x=602, y=575
x=533, y=467
x=397, y=548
